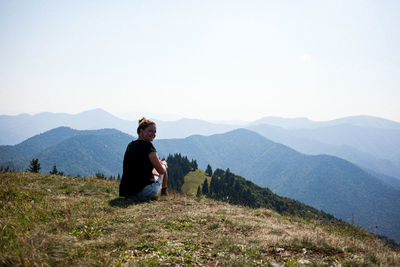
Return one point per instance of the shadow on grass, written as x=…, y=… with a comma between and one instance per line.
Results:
x=123, y=202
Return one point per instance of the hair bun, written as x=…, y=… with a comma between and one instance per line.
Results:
x=142, y=120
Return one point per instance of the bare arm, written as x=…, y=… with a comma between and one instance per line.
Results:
x=160, y=166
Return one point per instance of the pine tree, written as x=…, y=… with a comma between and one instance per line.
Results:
x=34, y=166
x=100, y=175
x=194, y=165
x=209, y=170
x=198, y=194
x=54, y=170
x=204, y=188
x=178, y=167
x=213, y=190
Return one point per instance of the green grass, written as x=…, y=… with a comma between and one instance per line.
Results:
x=49, y=220
x=192, y=180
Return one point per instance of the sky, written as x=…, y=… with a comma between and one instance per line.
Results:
x=211, y=60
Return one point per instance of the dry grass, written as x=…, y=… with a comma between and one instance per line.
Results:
x=52, y=220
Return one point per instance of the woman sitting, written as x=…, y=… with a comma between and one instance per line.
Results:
x=144, y=174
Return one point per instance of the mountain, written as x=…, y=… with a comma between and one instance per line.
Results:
x=74, y=152
x=16, y=129
x=324, y=182
x=304, y=123
x=370, y=142
x=287, y=123
x=366, y=121
x=359, y=145
x=186, y=127
x=385, y=178
x=382, y=143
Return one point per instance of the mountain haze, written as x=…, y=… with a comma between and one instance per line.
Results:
x=372, y=144
x=304, y=123
x=340, y=141
x=16, y=129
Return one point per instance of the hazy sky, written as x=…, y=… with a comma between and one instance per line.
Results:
x=213, y=60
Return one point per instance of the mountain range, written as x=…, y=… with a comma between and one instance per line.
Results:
x=304, y=123
x=322, y=181
x=16, y=129
x=375, y=150
x=370, y=142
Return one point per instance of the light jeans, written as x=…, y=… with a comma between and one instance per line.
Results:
x=151, y=190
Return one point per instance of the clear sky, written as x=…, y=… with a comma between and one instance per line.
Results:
x=213, y=60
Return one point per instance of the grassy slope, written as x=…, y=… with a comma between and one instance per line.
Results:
x=53, y=220
x=193, y=180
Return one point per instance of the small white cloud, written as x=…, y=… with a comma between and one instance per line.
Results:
x=304, y=58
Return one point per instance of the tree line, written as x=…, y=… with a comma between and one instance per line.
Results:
x=226, y=186
x=178, y=167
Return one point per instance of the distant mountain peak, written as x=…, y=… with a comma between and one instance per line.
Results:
x=290, y=123
x=305, y=123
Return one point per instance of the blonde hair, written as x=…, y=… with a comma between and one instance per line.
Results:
x=144, y=123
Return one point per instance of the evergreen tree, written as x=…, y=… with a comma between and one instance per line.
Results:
x=34, y=166
x=198, y=194
x=194, y=165
x=209, y=170
x=54, y=170
x=204, y=188
x=178, y=167
x=213, y=189
x=218, y=173
x=100, y=175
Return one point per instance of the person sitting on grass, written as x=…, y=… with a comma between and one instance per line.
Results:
x=144, y=174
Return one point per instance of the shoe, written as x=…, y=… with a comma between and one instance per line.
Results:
x=164, y=192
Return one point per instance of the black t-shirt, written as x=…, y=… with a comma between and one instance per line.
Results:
x=137, y=168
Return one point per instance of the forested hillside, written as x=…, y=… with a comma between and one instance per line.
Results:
x=226, y=186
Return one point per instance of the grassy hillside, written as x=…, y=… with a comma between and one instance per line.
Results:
x=53, y=220
x=193, y=180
